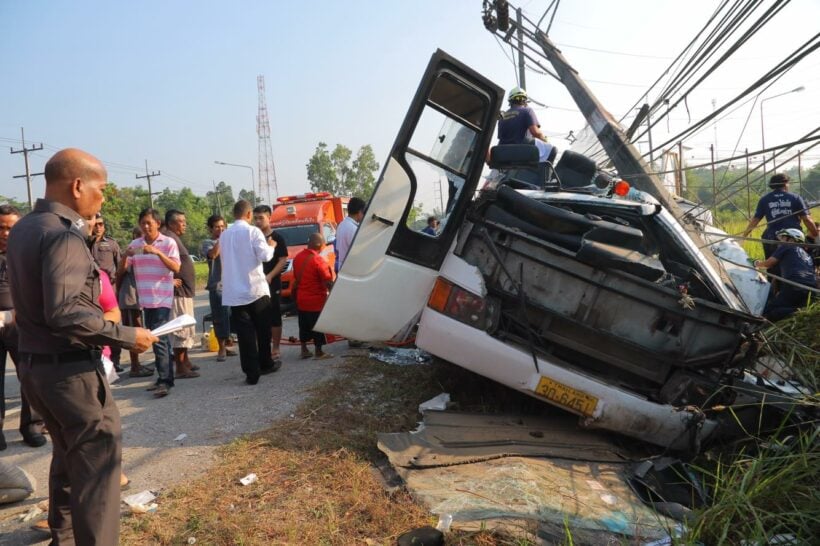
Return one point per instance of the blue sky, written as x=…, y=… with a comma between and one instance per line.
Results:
x=174, y=82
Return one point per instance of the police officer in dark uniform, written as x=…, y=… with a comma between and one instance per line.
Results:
x=106, y=252
x=55, y=285
x=31, y=425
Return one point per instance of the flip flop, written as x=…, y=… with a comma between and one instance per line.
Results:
x=220, y=358
x=187, y=375
x=142, y=372
x=323, y=356
x=306, y=355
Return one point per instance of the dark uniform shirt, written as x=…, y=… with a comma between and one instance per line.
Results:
x=514, y=124
x=782, y=210
x=6, y=302
x=186, y=268
x=55, y=285
x=795, y=264
x=106, y=253
x=281, y=251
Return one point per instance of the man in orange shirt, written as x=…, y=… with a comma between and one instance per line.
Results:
x=313, y=277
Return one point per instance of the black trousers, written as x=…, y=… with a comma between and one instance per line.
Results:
x=84, y=423
x=30, y=420
x=788, y=300
x=252, y=324
x=307, y=321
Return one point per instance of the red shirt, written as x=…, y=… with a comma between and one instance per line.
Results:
x=312, y=273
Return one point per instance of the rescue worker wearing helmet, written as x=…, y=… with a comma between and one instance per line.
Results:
x=782, y=210
x=519, y=124
x=796, y=266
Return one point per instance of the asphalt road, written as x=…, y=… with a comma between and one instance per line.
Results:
x=210, y=410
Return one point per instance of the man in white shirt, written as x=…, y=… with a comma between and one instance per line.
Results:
x=347, y=229
x=245, y=290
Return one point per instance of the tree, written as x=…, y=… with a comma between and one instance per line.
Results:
x=335, y=173
x=250, y=197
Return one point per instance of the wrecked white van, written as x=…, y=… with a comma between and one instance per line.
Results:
x=600, y=305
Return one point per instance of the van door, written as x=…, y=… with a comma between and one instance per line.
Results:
x=433, y=170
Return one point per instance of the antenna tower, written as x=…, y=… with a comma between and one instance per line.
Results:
x=267, y=170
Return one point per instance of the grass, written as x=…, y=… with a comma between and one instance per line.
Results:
x=201, y=270
x=317, y=483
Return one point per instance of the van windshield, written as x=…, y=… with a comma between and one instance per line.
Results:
x=297, y=235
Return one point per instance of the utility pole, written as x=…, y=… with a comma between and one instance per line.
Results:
x=714, y=186
x=25, y=151
x=748, y=190
x=679, y=180
x=218, y=197
x=799, y=173
x=522, y=78
x=649, y=135
x=148, y=176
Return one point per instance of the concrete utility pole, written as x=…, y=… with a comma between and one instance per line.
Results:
x=25, y=151
x=148, y=176
x=522, y=78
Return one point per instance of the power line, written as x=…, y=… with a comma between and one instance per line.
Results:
x=149, y=176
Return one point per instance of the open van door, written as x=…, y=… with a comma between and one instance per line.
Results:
x=433, y=170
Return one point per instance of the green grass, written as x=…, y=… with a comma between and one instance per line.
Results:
x=201, y=269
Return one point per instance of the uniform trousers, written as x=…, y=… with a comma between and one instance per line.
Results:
x=70, y=392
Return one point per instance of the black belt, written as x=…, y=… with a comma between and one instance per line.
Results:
x=86, y=355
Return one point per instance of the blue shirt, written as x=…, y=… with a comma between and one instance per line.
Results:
x=795, y=264
x=514, y=123
x=782, y=210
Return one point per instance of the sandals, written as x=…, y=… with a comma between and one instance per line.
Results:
x=323, y=356
x=161, y=391
x=187, y=375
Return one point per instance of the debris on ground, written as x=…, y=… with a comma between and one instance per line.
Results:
x=249, y=479
x=400, y=356
x=142, y=502
x=471, y=469
x=436, y=403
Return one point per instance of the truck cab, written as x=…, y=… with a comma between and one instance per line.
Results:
x=296, y=217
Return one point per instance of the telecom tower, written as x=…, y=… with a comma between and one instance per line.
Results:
x=267, y=170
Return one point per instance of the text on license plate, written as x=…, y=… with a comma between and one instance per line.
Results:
x=567, y=397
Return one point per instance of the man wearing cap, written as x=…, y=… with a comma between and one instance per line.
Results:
x=56, y=286
x=797, y=267
x=519, y=125
x=782, y=210
x=106, y=252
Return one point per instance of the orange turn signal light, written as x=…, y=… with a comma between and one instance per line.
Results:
x=440, y=295
x=621, y=187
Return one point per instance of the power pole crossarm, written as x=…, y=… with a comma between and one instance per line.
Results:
x=149, y=176
x=25, y=151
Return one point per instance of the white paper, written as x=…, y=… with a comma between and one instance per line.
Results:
x=143, y=497
x=182, y=321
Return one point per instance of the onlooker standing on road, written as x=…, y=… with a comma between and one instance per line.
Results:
x=31, y=424
x=244, y=288
x=782, y=210
x=273, y=272
x=347, y=229
x=106, y=252
x=155, y=259
x=56, y=288
x=184, y=289
x=312, y=278
x=220, y=314
x=129, y=304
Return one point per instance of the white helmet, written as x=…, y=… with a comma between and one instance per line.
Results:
x=794, y=233
x=517, y=94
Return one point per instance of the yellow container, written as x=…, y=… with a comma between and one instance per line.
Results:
x=213, y=343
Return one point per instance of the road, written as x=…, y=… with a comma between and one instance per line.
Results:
x=210, y=410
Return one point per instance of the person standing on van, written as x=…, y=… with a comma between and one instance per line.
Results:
x=347, y=229
x=519, y=122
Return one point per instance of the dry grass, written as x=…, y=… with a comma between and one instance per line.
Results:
x=317, y=483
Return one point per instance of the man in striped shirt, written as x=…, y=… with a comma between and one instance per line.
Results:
x=155, y=259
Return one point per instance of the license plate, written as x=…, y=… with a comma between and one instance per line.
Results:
x=567, y=397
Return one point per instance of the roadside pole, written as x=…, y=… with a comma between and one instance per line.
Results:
x=25, y=151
